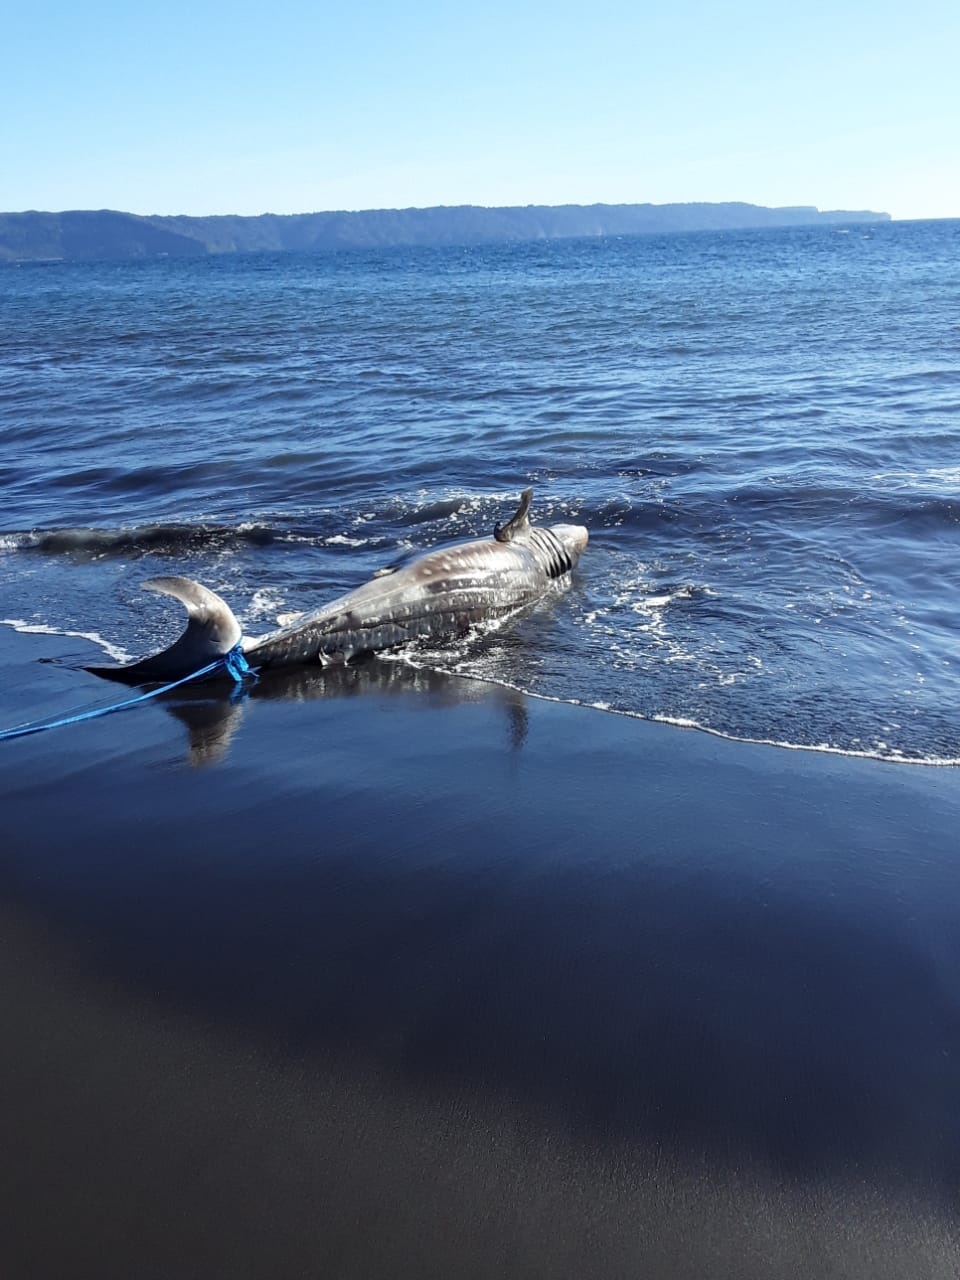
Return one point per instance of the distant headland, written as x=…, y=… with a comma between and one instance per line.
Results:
x=97, y=235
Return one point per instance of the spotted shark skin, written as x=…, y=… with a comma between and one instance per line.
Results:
x=437, y=594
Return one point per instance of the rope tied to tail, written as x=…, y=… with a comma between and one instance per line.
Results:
x=233, y=663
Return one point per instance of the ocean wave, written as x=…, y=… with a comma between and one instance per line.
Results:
x=428, y=506
x=919, y=508
x=644, y=502
x=368, y=524
x=141, y=539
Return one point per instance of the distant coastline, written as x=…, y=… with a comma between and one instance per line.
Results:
x=106, y=234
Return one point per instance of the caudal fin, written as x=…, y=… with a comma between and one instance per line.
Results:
x=211, y=632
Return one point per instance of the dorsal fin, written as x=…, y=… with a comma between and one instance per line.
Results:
x=519, y=524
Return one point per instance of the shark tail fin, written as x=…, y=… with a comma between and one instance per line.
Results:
x=211, y=632
x=519, y=524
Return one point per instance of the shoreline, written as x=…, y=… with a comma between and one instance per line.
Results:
x=415, y=675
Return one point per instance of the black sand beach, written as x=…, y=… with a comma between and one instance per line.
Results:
x=380, y=974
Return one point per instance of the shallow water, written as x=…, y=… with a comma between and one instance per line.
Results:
x=760, y=430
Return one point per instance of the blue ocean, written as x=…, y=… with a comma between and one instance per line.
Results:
x=760, y=429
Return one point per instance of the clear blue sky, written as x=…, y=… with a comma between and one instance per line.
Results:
x=297, y=106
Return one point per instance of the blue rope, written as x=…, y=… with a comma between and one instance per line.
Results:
x=234, y=663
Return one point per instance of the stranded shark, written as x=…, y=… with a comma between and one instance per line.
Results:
x=436, y=594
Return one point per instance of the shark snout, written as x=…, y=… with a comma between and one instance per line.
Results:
x=573, y=538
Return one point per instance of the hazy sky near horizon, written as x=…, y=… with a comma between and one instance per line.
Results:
x=293, y=107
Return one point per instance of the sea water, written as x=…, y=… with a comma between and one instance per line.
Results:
x=760, y=429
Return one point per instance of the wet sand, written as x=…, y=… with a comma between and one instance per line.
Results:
x=380, y=974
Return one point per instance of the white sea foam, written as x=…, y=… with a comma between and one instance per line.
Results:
x=44, y=629
x=661, y=602
x=918, y=479
x=265, y=603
